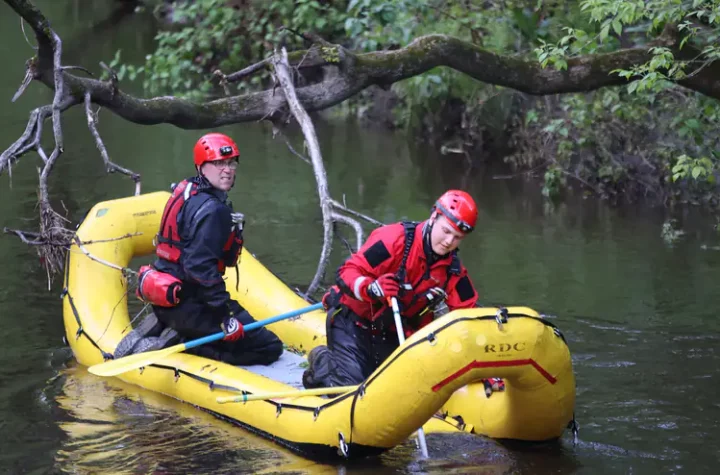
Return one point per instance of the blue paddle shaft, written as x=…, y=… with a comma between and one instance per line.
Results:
x=252, y=326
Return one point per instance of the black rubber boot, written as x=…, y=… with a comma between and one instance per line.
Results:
x=316, y=374
x=150, y=326
x=153, y=343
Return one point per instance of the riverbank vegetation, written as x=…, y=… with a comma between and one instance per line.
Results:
x=649, y=138
x=616, y=97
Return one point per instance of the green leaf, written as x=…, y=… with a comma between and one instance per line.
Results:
x=604, y=32
x=617, y=27
x=697, y=171
x=692, y=124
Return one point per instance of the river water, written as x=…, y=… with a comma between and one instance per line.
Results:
x=640, y=314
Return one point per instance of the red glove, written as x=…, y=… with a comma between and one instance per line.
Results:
x=232, y=328
x=383, y=288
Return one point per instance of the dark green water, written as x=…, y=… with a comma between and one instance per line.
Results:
x=640, y=315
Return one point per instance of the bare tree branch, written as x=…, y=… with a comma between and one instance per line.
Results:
x=351, y=73
x=29, y=74
x=284, y=75
x=243, y=73
x=110, y=167
x=30, y=238
x=352, y=223
x=342, y=207
x=359, y=71
x=84, y=250
x=79, y=68
x=278, y=131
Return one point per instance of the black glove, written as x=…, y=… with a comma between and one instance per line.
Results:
x=436, y=301
x=436, y=294
x=331, y=298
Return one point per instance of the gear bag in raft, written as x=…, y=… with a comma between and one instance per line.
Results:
x=158, y=288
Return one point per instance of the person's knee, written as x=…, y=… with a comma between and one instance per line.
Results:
x=274, y=350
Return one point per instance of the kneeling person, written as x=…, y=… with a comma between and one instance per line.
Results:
x=199, y=238
x=415, y=262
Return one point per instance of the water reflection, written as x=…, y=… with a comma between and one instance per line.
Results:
x=640, y=316
x=112, y=427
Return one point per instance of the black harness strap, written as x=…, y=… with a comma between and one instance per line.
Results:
x=453, y=269
x=409, y=227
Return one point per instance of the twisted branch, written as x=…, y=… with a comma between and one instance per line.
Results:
x=110, y=167
x=352, y=73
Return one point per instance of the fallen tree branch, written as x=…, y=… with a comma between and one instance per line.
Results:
x=110, y=167
x=32, y=238
x=30, y=138
x=278, y=131
x=284, y=75
x=245, y=72
x=352, y=223
x=53, y=238
x=119, y=238
x=344, y=208
x=356, y=72
x=83, y=249
x=351, y=73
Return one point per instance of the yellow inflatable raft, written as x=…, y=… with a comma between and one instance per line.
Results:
x=428, y=380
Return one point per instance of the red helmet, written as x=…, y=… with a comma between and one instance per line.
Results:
x=213, y=147
x=459, y=208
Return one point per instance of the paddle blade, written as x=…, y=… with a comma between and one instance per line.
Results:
x=129, y=363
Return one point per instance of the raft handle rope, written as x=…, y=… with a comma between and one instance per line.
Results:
x=501, y=317
x=575, y=428
x=342, y=445
x=431, y=339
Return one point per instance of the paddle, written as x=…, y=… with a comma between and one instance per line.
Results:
x=401, y=338
x=128, y=363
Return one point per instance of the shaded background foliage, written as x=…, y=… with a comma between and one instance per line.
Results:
x=651, y=139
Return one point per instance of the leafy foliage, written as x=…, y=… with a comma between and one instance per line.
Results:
x=653, y=138
x=210, y=34
x=650, y=137
x=622, y=144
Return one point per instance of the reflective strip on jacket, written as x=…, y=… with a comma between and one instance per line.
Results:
x=381, y=254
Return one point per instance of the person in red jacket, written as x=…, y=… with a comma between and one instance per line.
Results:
x=415, y=262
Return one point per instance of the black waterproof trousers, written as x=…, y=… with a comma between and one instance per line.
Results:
x=354, y=351
x=192, y=319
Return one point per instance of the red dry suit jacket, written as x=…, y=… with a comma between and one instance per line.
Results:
x=381, y=254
